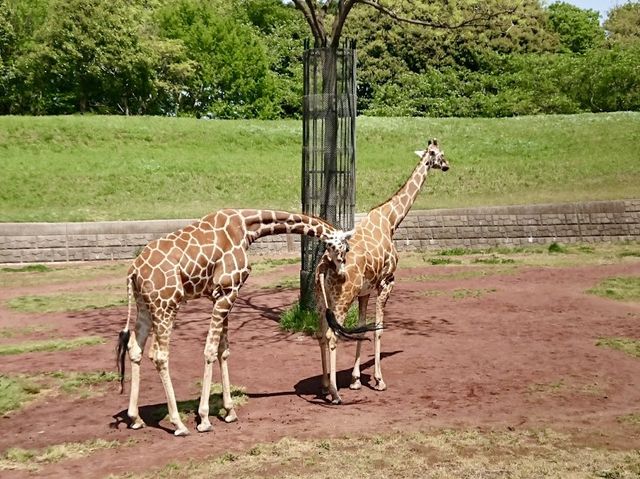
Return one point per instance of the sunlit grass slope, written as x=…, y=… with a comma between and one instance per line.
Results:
x=106, y=167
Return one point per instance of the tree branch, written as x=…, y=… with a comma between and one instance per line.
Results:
x=308, y=10
x=480, y=18
x=338, y=24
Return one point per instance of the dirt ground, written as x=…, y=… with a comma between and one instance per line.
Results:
x=518, y=351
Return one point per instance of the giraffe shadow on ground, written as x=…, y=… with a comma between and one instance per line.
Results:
x=311, y=386
x=153, y=414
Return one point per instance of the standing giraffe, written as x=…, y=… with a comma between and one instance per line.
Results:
x=205, y=259
x=369, y=265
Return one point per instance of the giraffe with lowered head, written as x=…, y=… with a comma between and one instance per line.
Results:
x=205, y=259
x=369, y=266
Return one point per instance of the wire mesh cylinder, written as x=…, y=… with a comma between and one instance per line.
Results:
x=328, y=147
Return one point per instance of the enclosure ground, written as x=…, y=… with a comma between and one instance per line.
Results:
x=511, y=349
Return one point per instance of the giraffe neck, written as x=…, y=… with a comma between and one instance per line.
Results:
x=399, y=204
x=269, y=222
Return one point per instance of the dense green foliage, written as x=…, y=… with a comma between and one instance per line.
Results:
x=242, y=59
x=111, y=167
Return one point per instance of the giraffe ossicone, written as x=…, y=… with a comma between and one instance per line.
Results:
x=369, y=266
x=205, y=259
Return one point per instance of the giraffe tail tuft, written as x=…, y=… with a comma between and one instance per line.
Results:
x=123, y=336
x=349, y=333
x=121, y=351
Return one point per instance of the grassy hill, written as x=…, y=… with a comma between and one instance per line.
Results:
x=78, y=168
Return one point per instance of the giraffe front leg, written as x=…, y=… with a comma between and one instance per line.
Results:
x=363, y=301
x=324, y=352
x=223, y=356
x=217, y=348
x=332, y=341
x=383, y=296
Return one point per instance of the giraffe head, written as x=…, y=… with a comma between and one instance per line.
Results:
x=337, y=247
x=433, y=156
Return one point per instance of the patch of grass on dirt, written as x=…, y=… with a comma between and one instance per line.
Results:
x=626, y=345
x=493, y=259
x=462, y=293
x=15, y=391
x=288, y=282
x=563, y=386
x=438, y=261
x=30, y=268
x=269, y=264
x=432, y=455
x=17, y=458
x=62, y=273
x=554, y=255
x=621, y=288
x=633, y=419
x=190, y=407
x=299, y=320
x=25, y=331
x=460, y=274
x=69, y=302
x=83, y=383
x=49, y=345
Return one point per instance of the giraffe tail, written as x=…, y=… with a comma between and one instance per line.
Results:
x=349, y=333
x=123, y=337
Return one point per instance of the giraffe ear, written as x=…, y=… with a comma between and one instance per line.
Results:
x=349, y=234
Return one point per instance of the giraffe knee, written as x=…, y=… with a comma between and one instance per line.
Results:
x=210, y=354
x=160, y=359
x=224, y=354
x=135, y=353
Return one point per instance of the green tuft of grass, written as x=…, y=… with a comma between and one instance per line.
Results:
x=299, y=320
x=624, y=254
x=439, y=261
x=493, y=259
x=557, y=248
x=31, y=268
x=621, y=288
x=15, y=391
x=68, y=302
x=49, y=345
x=455, y=252
x=626, y=345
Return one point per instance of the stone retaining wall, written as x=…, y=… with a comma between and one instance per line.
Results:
x=421, y=230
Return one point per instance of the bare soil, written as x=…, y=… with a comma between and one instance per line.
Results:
x=514, y=351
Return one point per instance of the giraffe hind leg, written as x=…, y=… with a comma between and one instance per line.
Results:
x=136, y=343
x=381, y=302
x=363, y=301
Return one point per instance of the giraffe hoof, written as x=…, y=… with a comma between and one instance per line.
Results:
x=204, y=427
x=180, y=432
x=336, y=401
x=355, y=384
x=231, y=416
x=325, y=390
x=138, y=424
x=380, y=386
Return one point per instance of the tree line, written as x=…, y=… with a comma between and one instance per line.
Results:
x=243, y=59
